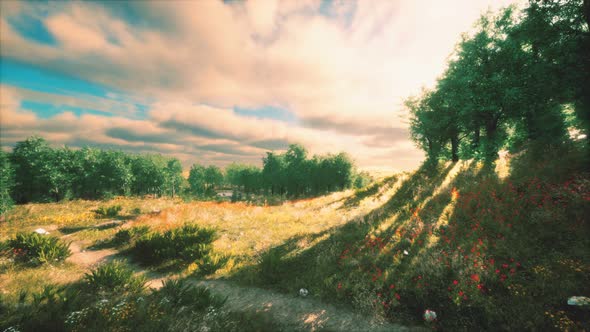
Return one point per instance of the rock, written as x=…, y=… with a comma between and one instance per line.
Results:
x=41, y=231
x=303, y=292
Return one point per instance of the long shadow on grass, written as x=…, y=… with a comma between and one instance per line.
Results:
x=371, y=190
x=288, y=267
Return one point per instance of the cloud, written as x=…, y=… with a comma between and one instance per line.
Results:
x=342, y=70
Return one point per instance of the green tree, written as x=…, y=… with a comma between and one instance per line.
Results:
x=196, y=179
x=213, y=178
x=29, y=158
x=6, y=182
x=174, y=178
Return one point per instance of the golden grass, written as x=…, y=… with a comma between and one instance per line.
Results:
x=244, y=230
x=15, y=279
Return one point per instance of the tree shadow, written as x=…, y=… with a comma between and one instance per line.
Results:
x=371, y=190
x=287, y=266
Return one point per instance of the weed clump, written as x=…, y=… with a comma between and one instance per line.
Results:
x=184, y=245
x=37, y=249
x=177, y=306
x=113, y=277
x=108, y=212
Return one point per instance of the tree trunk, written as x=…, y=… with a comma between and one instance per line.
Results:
x=476, y=137
x=454, y=148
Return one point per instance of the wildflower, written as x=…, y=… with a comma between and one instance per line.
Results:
x=475, y=277
x=339, y=285
x=455, y=282
x=397, y=296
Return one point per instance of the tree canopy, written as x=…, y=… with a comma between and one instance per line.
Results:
x=515, y=81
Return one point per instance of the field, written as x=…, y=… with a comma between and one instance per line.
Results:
x=483, y=248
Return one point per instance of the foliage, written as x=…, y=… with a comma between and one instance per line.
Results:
x=113, y=277
x=6, y=182
x=508, y=83
x=177, y=306
x=108, y=212
x=129, y=235
x=210, y=263
x=38, y=249
x=185, y=244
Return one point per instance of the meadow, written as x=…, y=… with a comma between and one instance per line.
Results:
x=483, y=248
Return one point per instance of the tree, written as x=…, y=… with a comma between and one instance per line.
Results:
x=274, y=173
x=6, y=182
x=149, y=175
x=213, y=178
x=29, y=158
x=173, y=177
x=196, y=179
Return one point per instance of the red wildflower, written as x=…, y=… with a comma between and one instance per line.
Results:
x=455, y=282
x=475, y=277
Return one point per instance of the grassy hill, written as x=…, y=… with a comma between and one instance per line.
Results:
x=492, y=248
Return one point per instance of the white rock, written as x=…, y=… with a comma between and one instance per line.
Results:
x=41, y=231
x=303, y=292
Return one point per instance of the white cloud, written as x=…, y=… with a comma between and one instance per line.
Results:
x=351, y=68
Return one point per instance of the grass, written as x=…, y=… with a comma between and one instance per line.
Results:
x=484, y=252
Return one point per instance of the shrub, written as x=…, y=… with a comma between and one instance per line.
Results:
x=38, y=249
x=129, y=235
x=114, y=277
x=179, y=293
x=108, y=212
x=186, y=244
x=210, y=263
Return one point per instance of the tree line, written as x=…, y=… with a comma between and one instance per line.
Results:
x=522, y=78
x=36, y=172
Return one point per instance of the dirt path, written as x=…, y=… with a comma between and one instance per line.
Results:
x=88, y=258
x=295, y=313
x=292, y=313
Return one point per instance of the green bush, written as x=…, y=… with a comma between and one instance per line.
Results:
x=179, y=293
x=210, y=263
x=108, y=212
x=177, y=306
x=126, y=236
x=114, y=277
x=38, y=249
x=185, y=244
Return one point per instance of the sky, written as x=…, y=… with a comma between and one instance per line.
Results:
x=213, y=82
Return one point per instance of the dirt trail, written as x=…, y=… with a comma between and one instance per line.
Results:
x=292, y=313
x=88, y=258
x=295, y=313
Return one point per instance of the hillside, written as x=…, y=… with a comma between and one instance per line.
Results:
x=481, y=250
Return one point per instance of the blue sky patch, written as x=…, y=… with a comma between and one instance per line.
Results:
x=45, y=110
x=35, y=78
x=32, y=28
x=268, y=112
